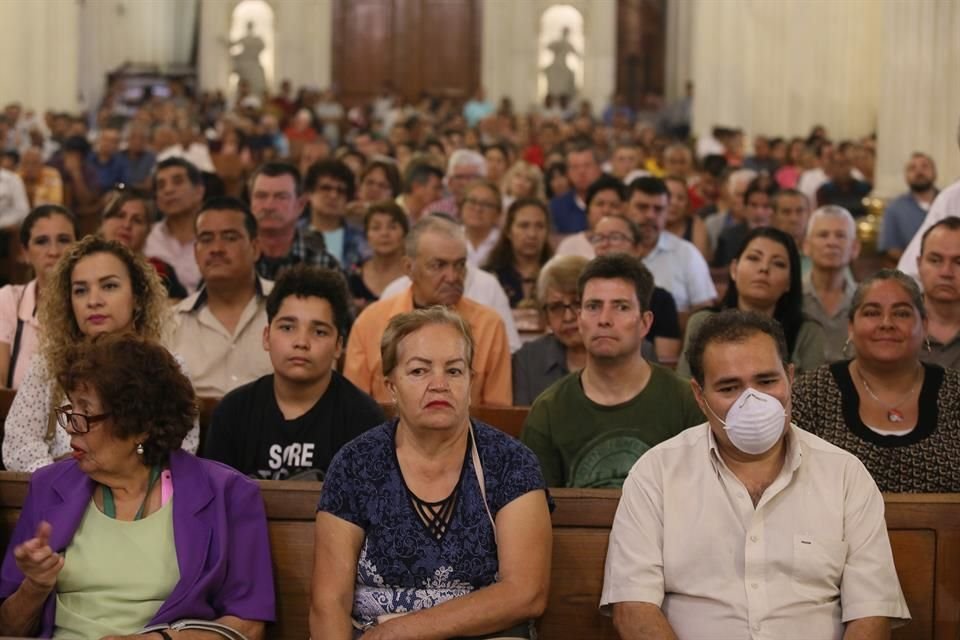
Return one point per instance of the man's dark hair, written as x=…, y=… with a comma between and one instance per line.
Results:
x=336, y=169
x=649, y=185
x=226, y=203
x=623, y=267
x=732, y=325
x=419, y=173
x=606, y=183
x=761, y=184
x=714, y=165
x=950, y=222
x=275, y=170
x=193, y=174
x=580, y=145
x=309, y=281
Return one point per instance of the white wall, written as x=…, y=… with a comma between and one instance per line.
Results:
x=114, y=32
x=304, y=42
x=799, y=62
x=39, y=50
x=509, y=43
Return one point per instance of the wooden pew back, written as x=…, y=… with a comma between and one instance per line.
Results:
x=924, y=532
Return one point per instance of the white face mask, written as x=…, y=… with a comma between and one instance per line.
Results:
x=754, y=423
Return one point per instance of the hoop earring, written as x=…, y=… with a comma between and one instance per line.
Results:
x=846, y=349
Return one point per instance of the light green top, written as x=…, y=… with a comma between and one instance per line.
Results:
x=116, y=574
x=807, y=355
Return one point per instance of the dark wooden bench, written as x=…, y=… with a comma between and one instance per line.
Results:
x=924, y=532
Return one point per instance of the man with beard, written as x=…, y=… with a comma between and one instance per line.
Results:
x=276, y=203
x=436, y=263
x=675, y=263
x=906, y=213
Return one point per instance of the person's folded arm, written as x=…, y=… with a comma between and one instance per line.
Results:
x=336, y=549
x=872, y=628
x=641, y=621
x=524, y=546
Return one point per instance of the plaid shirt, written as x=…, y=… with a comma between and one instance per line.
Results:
x=311, y=250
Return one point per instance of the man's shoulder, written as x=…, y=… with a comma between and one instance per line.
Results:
x=378, y=314
x=472, y=309
x=565, y=391
x=251, y=393
x=352, y=396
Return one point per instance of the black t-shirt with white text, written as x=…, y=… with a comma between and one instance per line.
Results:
x=249, y=433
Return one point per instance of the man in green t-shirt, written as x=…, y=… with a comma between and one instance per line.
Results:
x=589, y=428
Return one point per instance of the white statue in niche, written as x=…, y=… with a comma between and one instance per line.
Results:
x=246, y=62
x=560, y=79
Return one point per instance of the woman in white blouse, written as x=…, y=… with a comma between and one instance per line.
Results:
x=98, y=286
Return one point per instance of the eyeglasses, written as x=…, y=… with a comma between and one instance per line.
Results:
x=559, y=309
x=338, y=189
x=614, y=237
x=483, y=204
x=77, y=422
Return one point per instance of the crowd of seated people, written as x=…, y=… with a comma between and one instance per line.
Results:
x=316, y=273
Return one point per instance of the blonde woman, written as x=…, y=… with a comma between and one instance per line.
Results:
x=522, y=180
x=97, y=287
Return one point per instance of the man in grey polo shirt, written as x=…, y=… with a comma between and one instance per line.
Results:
x=831, y=244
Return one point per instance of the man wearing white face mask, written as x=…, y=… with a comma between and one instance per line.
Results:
x=747, y=526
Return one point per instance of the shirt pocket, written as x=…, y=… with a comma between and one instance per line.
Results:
x=817, y=567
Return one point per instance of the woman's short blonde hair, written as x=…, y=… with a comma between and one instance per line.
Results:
x=60, y=328
x=529, y=171
x=561, y=274
x=408, y=323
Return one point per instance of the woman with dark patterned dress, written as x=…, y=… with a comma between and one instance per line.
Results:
x=430, y=525
x=901, y=417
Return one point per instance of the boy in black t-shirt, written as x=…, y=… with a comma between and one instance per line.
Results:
x=296, y=419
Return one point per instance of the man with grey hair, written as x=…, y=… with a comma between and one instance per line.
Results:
x=463, y=167
x=946, y=204
x=831, y=244
x=436, y=263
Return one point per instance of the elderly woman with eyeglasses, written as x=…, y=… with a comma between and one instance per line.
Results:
x=541, y=362
x=131, y=531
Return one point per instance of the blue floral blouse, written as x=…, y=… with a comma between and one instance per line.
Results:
x=402, y=566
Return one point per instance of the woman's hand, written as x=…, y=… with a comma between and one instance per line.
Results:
x=38, y=562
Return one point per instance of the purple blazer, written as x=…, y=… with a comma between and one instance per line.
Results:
x=219, y=528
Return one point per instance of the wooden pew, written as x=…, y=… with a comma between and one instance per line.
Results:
x=924, y=532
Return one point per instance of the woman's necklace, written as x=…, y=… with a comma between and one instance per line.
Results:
x=893, y=414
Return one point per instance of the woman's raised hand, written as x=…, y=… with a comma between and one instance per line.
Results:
x=38, y=562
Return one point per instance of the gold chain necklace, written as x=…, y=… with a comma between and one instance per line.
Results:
x=893, y=414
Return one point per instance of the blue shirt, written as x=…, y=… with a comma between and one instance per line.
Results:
x=402, y=567
x=138, y=168
x=900, y=223
x=568, y=216
x=109, y=173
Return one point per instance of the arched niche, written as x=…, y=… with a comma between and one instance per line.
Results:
x=560, y=52
x=252, y=43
